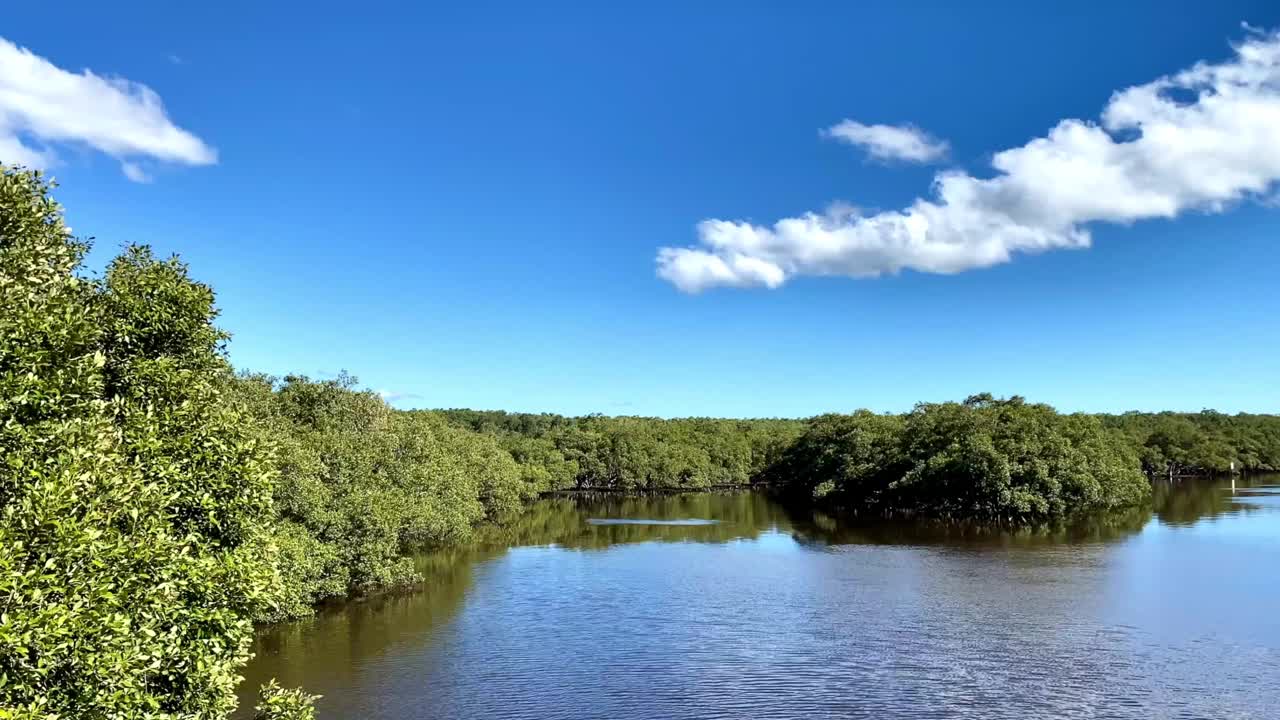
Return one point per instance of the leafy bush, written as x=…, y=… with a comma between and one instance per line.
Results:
x=280, y=703
x=984, y=458
x=133, y=503
x=277, y=703
x=362, y=486
x=1202, y=443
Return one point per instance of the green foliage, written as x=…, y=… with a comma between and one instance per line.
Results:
x=1204, y=443
x=133, y=504
x=633, y=453
x=277, y=703
x=362, y=486
x=984, y=458
x=836, y=453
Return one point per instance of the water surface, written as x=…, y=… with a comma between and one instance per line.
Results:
x=727, y=606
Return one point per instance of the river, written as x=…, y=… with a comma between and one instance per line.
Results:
x=727, y=606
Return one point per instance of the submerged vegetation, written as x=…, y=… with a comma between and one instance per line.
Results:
x=154, y=504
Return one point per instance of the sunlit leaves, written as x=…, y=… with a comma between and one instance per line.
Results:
x=361, y=487
x=984, y=458
x=134, y=505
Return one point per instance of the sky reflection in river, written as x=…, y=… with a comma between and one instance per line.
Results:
x=1158, y=613
x=648, y=521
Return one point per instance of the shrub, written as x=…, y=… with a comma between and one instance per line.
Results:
x=277, y=703
x=133, y=503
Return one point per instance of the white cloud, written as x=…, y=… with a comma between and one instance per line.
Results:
x=134, y=172
x=890, y=142
x=1201, y=139
x=40, y=102
x=14, y=152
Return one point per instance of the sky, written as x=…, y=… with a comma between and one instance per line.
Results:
x=735, y=209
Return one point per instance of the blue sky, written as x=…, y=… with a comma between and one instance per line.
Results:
x=463, y=205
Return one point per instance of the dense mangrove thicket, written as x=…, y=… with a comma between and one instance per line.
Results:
x=134, y=506
x=983, y=458
x=634, y=453
x=361, y=486
x=1204, y=443
x=1048, y=464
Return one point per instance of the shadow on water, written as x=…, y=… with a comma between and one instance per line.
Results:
x=596, y=521
x=328, y=650
x=343, y=647
x=815, y=528
x=1180, y=502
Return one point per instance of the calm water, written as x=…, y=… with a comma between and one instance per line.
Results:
x=726, y=606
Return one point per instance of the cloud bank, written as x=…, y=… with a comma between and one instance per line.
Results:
x=42, y=105
x=1200, y=139
x=890, y=142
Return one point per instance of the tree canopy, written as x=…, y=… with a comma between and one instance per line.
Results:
x=634, y=453
x=982, y=458
x=362, y=486
x=134, y=505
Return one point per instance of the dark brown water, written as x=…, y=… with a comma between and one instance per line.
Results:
x=763, y=614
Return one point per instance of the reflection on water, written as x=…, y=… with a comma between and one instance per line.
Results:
x=611, y=606
x=649, y=521
x=822, y=529
x=566, y=521
x=1182, y=502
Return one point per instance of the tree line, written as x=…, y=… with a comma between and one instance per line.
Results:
x=984, y=457
x=1171, y=444
x=155, y=504
x=596, y=452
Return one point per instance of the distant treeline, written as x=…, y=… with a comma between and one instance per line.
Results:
x=837, y=453
x=981, y=458
x=633, y=453
x=1203, y=443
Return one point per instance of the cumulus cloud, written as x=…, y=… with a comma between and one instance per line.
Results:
x=1197, y=140
x=42, y=105
x=890, y=142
